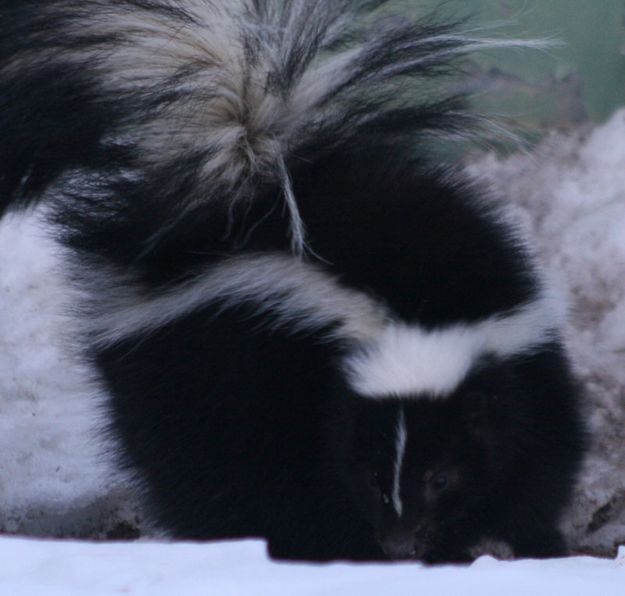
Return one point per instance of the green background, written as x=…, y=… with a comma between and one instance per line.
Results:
x=583, y=79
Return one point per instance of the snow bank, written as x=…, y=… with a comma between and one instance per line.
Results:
x=59, y=568
x=53, y=478
x=571, y=194
x=570, y=191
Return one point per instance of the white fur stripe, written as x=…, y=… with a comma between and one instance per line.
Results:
x=298, y=295
x=406, y=360
x=394, y=359
x=400, y=452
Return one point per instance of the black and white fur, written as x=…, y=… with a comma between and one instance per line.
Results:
x=304, y=330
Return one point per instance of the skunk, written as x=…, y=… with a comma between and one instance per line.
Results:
x=301, y=327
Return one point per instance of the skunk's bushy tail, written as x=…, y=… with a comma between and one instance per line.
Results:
x=231, y=93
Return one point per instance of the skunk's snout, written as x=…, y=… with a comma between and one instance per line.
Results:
x=399, y=546
x=403, y=543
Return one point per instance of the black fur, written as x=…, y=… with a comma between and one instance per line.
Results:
x=507, y=442
x=237, y=414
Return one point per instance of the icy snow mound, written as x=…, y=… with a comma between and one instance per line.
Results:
x=54, y=478
x=570, y=192
x=231, y=569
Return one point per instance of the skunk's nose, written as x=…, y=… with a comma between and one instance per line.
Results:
x=401, y=545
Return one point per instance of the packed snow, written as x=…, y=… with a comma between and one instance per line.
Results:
x=33, y=568
x=55, y=480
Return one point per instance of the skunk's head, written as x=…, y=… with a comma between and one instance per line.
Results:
x=430, y=474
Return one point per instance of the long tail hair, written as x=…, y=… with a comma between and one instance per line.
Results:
x=226, y=95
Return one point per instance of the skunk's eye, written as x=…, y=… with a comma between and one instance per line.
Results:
x=436, y=481
x=439, y=481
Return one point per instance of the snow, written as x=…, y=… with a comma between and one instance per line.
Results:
x=570, y=191
x=241, y=568
x=570, y=194
x=53, y=478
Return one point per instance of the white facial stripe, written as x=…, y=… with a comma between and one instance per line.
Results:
x=406, y=360
x=400, y=451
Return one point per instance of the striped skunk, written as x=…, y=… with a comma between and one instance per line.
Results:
x=302, y=328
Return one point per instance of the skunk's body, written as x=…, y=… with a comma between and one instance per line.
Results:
x=302, y=329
